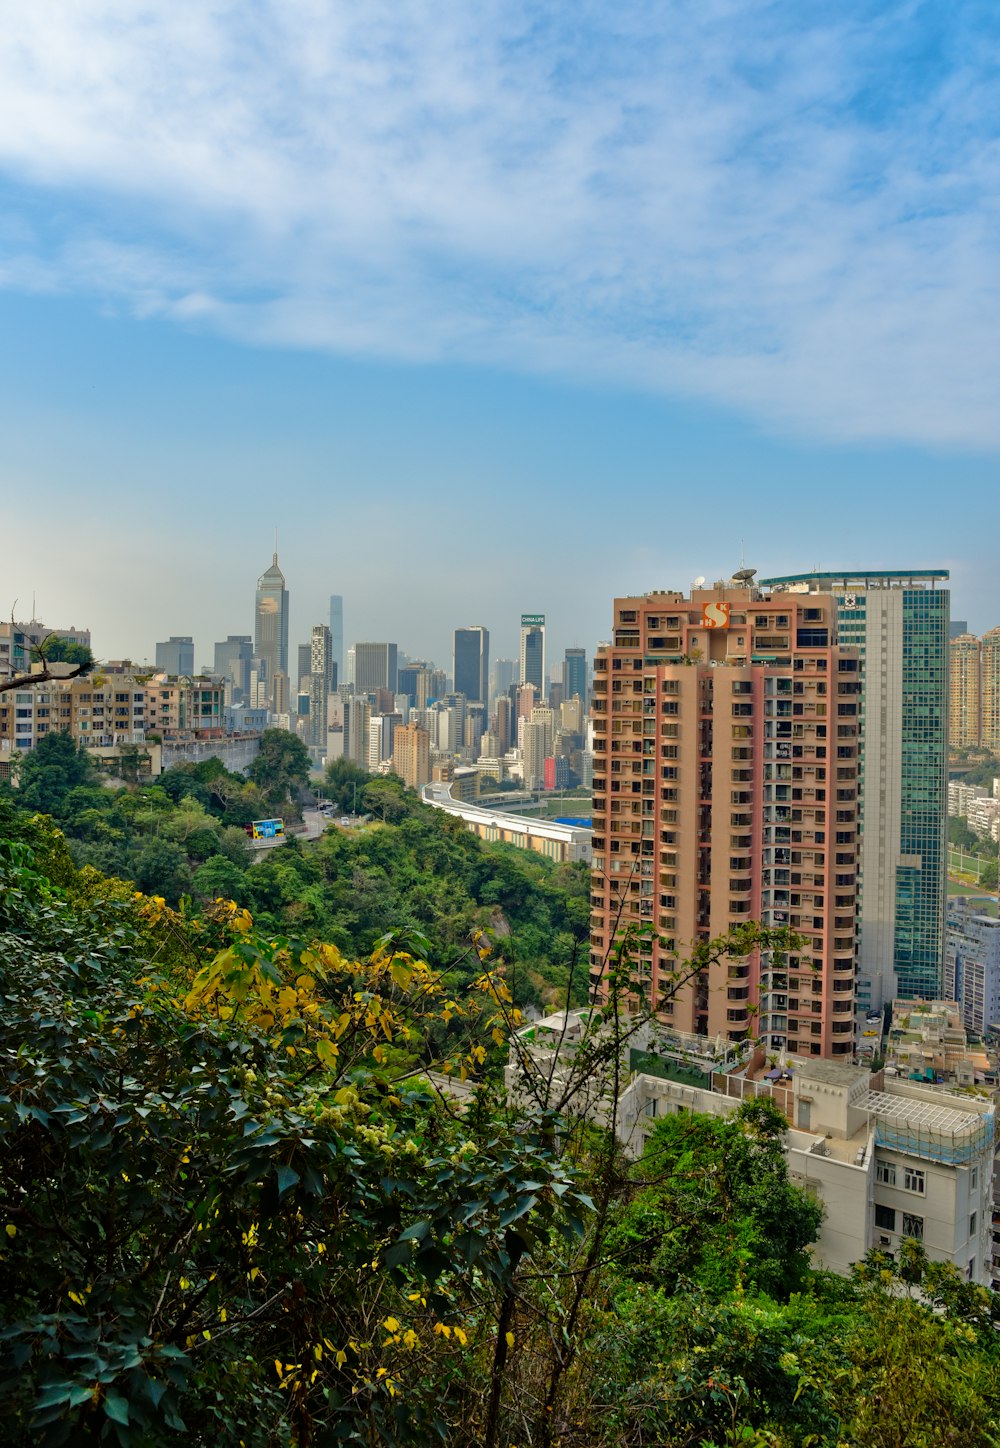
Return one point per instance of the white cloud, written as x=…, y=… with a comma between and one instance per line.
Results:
x=707, y=197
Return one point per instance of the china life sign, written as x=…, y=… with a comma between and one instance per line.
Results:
x=715, y=615
x=532, y=620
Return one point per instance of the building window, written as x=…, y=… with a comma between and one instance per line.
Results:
x=913, y=1180
x=885, y=1217
x=972, y=1224
x=913, y=1226
x=885, y=1172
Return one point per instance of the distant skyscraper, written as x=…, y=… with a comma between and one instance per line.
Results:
x=957, y=627
x=271, y=620
x=381, y=729
x=542, y=714
x=357, y=718
x=503, y=716
x=406, y=681
x=475, y=725
x=260, y=692
x=337, y=632
x=232, y=664
x=336, y=733
x=304, y=664
x=419, y=682
x=176, y=654
x=989, y=729
x=321, y=656
x=571, y=715
x=280, y=693
x=533, y=651
x=527, y=696
x=964, y=691
x=374, y=668
x=446, y=722
x=411, y=758
x=502, y=676
x=472, y=663
x=534, y=736
x=898, y=620
x=322, y=681
x=575, y=674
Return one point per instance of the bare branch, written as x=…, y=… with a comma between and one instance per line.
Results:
x=38, y=652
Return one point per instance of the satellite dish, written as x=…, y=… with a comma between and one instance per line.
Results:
x=698, y=583
x=745, y=575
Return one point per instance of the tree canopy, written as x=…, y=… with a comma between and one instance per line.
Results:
x=260, y=1183
x=182, y=835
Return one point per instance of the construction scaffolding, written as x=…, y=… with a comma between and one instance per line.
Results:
x=936, y=1133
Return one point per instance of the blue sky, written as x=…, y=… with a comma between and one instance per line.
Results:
x=508, y=307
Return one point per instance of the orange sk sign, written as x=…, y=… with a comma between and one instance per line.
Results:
x=715, y=615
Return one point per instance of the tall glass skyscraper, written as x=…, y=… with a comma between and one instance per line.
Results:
x=271, y=620
x=899, y=621
x=322, y=682
x=176, y=654
x=472, y=663
x=337, y=633
x=575, y=674
x=533, y=651
x=232, y=663
x=375, y=667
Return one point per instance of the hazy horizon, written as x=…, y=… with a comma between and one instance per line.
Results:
x=490, y=311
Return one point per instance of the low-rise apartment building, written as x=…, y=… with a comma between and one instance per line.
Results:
x=18, y=639
x=972, y=964
x=888, y=1158
x=179, y=707
x=106, y=709
x=93, y=711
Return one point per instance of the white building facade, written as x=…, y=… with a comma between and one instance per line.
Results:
x=972, y=965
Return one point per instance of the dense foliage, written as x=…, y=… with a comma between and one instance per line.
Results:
x=183, y=835
x=237, y=1207
x=981, y=771
x=729, y=1219
x=221, y=1217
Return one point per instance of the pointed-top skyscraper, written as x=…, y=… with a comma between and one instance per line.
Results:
x=271, y=620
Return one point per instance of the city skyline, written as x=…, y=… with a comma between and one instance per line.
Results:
x=300, y=631
x=738, y=255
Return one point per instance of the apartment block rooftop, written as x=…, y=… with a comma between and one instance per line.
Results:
x=824, y=582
